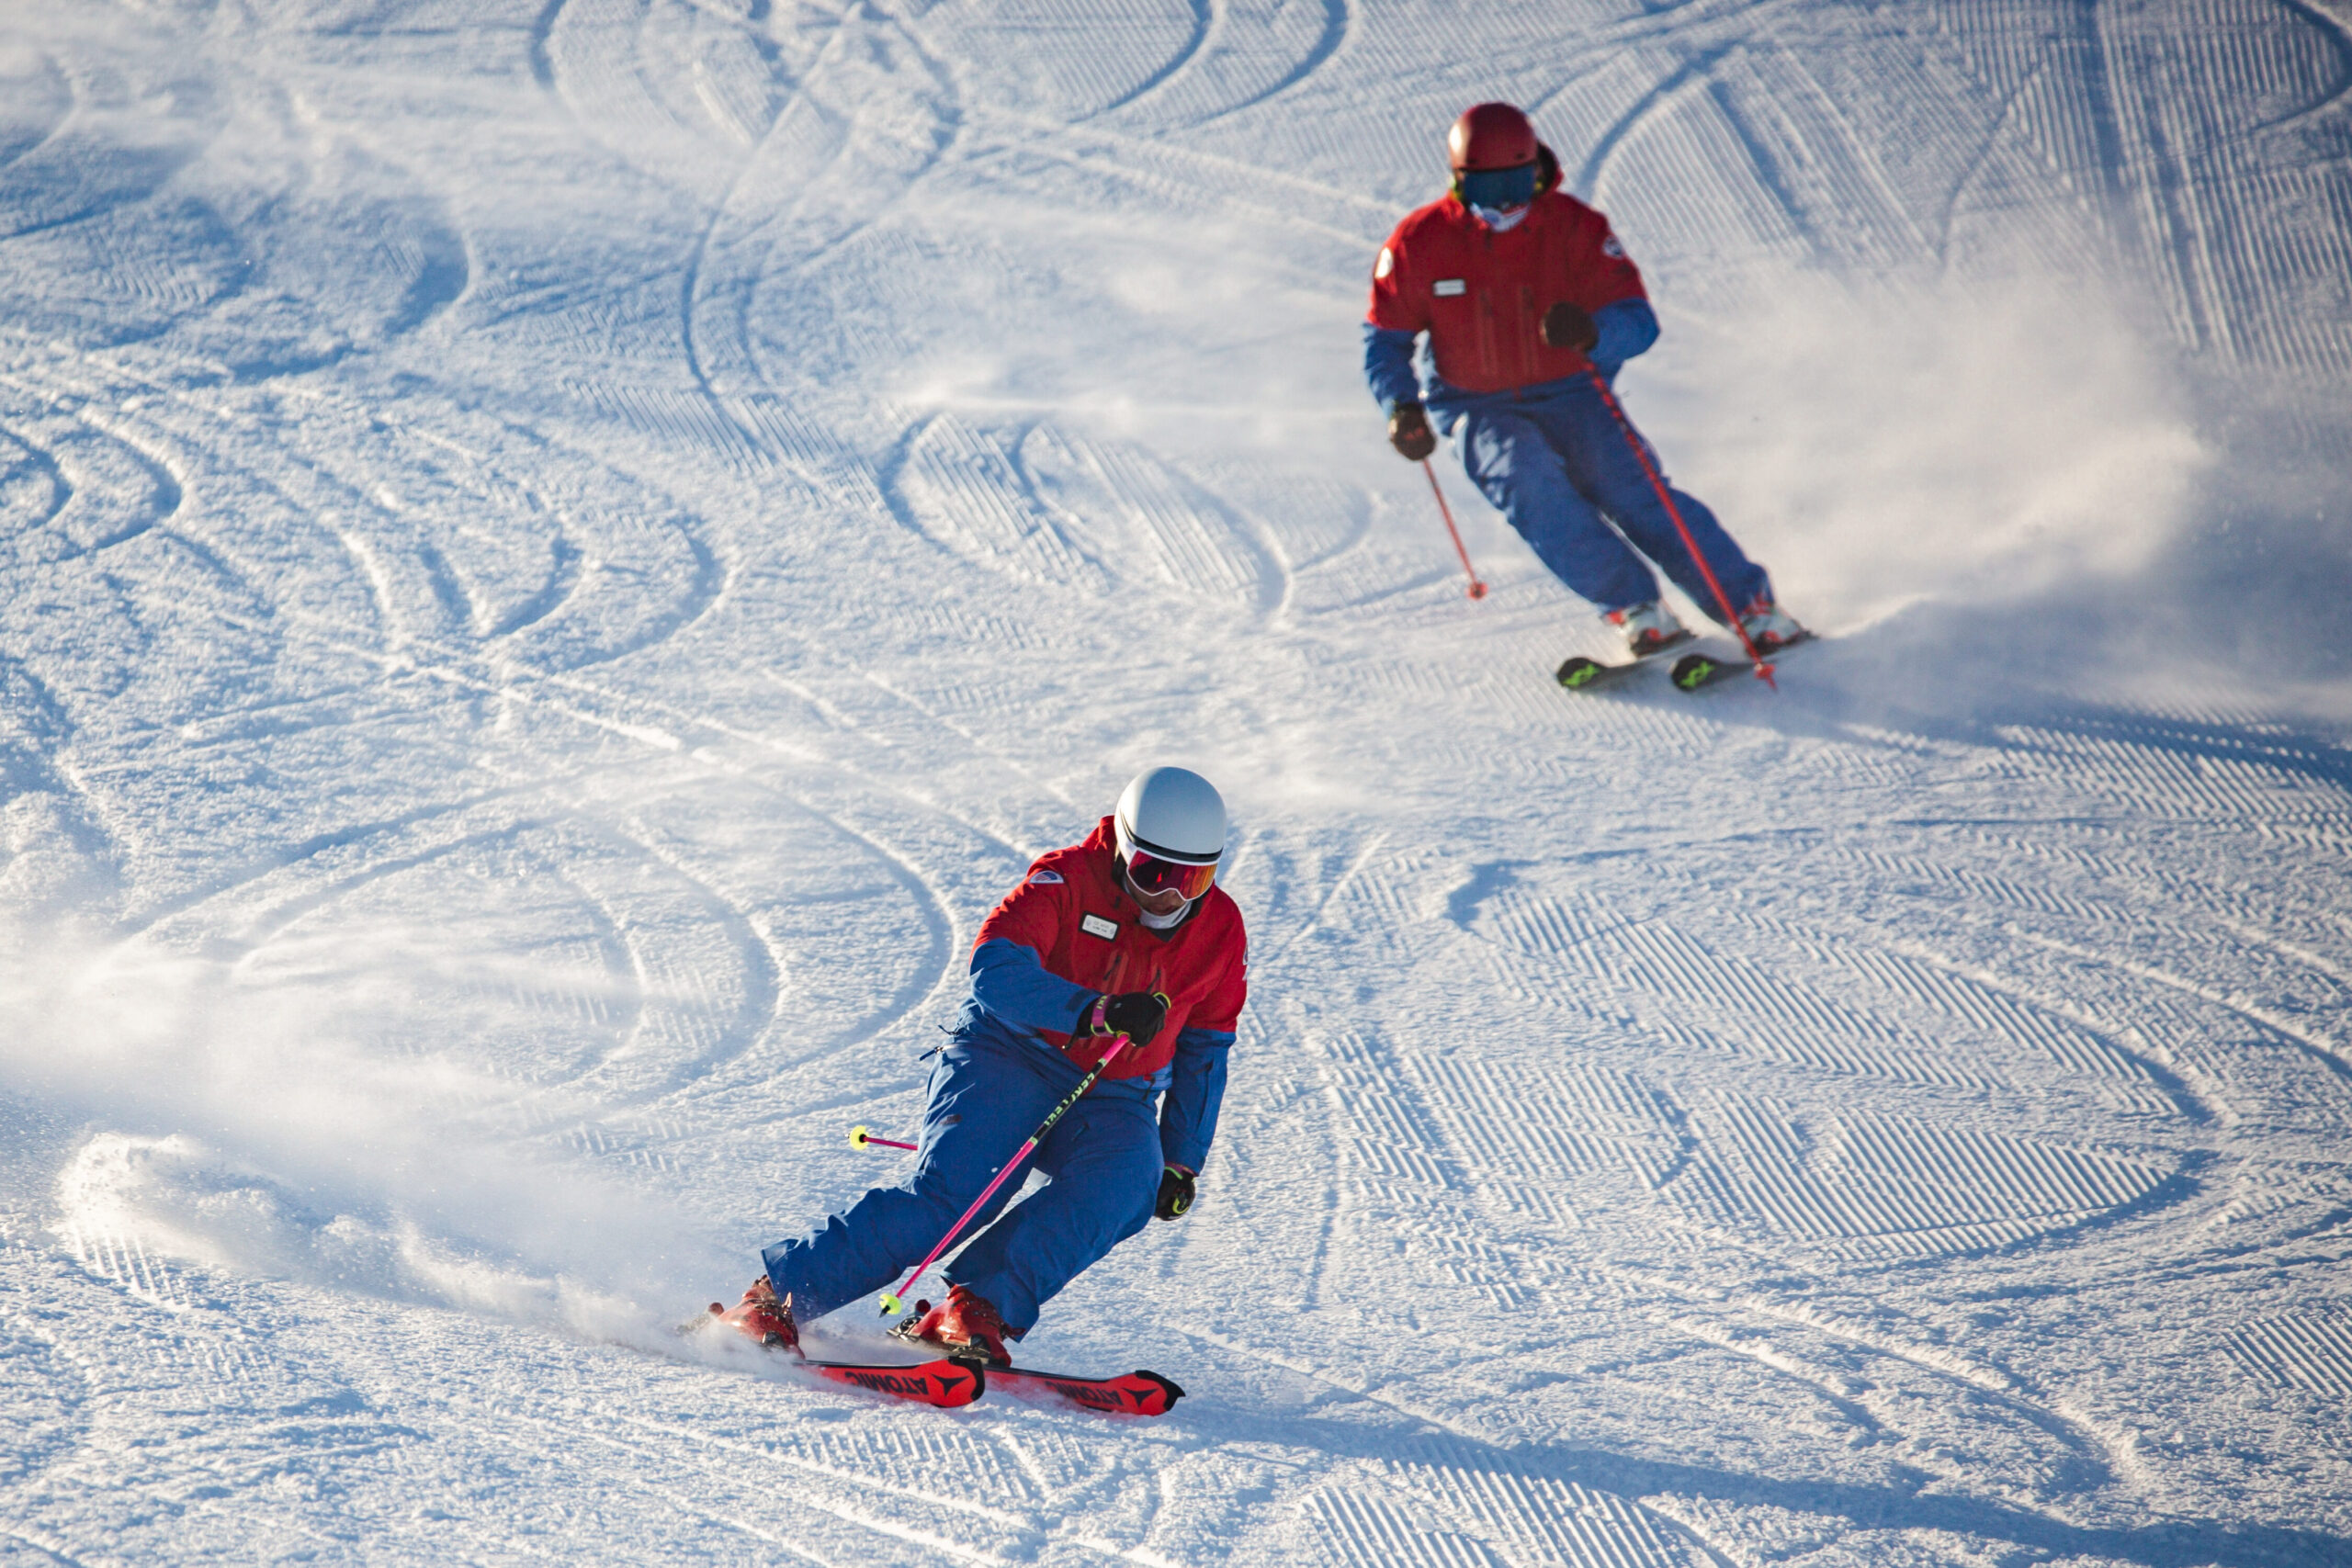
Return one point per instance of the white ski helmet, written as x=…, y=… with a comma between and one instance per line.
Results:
x=1172, y=814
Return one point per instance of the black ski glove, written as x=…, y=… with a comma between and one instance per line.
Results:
x=1175, y=1193
x=1565, y=326
x=1136, y=1014
x=1409, y=431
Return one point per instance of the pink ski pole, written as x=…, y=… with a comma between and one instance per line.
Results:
x=891, y=1303
x=1665, y=498
x=862, y=1138
x=1477, y=589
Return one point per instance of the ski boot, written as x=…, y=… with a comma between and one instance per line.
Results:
x=1770, y=628
x=761, y=1317
x=965, y=1326
x=1649, y=628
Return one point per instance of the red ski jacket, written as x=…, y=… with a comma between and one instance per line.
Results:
x=1481, y=296
x=1073, y=912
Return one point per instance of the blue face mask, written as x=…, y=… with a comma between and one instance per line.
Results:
x=1497, y=189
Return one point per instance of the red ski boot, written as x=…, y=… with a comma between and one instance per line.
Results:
x=967, y=1328
x=761, y=1317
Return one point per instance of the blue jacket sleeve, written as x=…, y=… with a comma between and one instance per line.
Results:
x=1627, y=327
x=1012, y=982
x=1188, y=1113
x=1388, y=366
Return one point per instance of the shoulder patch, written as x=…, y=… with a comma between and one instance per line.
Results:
x=1095, y=925
x=1611, y=248
x=1386, y=264
x=1446, y=288
x=1045, y=878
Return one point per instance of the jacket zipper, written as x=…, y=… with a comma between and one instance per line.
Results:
x=1487, y=356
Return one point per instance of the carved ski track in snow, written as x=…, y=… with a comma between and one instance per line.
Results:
x=707, y=1035
x=2320, y=1048
x=1683, y=1486
x=308, y=496
x=1206, y=16
x=1219, y=40
x=689, y=1484
x=733, y=405
x=1063, y=511
x=2013, y=1393
x=123, y=488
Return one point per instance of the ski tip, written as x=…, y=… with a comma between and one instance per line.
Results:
x=1694, y=671
x=1169, y=1390
x=1577, y=671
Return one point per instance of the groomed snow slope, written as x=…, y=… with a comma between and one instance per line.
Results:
x=559, y=555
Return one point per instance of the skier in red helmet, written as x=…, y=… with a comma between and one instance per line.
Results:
x=1531, y=306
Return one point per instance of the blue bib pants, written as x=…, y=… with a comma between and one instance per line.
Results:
x=987, y=1095
x=1553, y=460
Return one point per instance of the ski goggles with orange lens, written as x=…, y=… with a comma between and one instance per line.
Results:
x=1154, y=873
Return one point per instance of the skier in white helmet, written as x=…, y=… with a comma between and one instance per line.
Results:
x=1125, y=933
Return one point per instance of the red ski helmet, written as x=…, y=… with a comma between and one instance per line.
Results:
x=1490, y=136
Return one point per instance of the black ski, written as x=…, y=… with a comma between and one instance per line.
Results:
x=1578, y=674
x=1695, y=672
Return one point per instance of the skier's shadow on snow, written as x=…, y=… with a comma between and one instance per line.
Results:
x=1977, y=702
x=2257, y=743
x=2174, y=1543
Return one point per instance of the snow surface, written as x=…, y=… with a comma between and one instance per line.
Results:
x=559, y=553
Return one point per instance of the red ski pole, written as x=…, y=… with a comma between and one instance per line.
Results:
x=891, y=1303
x=1665, y=498
x=1477, y=589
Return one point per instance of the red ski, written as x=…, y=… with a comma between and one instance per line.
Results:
x=947, y=1384
x=951, y=1383
x=1138, y=1394
x=944, y=1384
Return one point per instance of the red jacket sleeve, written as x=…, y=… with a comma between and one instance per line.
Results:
x=1222, y=1011
x=1599, y=272
x=1395, y=306
x=1032, y=914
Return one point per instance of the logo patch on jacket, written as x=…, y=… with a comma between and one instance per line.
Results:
x=1095, y=925
x=1447, y=288
x=1611, y=248
x=1045, y=878
x=1384, y=266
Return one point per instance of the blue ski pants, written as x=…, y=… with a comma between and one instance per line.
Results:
x=987, y=1096
x=1554, y=460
